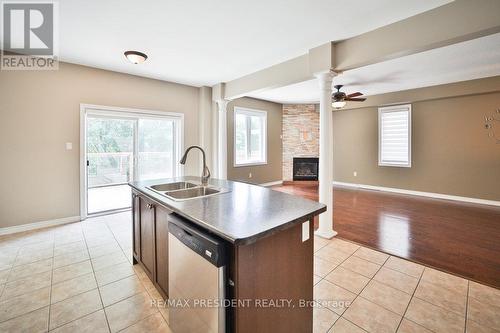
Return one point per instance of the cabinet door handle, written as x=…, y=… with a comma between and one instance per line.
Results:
x=150, y=206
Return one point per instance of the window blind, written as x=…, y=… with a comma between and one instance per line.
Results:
x=395, y=136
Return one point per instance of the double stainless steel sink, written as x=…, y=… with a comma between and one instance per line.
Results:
x=180, y=191
x=173, y=186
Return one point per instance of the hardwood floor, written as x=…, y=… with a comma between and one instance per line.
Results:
x=452, y=236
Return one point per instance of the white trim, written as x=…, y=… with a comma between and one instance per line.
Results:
x=420, y=193
x=274, y=183
x=326, y=234
x=120, y=112
x=256, y=113
x=123, y=111
x=395, y=108
x=38, y=225
x=250, y=111
x=83, y=162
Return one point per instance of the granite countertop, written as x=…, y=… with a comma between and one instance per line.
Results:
x=242, y=215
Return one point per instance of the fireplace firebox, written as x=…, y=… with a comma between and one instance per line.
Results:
x=305, y=168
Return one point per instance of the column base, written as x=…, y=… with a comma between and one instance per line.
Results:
x=329, y=234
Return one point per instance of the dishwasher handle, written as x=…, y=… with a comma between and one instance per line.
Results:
x=207, y=246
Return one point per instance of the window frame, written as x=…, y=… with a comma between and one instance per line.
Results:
x=395, y=108
x=250, y=112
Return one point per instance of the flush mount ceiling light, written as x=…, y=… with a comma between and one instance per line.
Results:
x=135, y=57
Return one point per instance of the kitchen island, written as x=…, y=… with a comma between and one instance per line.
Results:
x=269, y=240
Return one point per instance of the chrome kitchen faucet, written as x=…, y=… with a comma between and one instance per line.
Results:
x=206, y=172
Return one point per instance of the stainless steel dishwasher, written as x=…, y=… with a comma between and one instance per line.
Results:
x=196, y=279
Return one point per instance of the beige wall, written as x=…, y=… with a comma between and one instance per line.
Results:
x=39, y=112
x=260, y=173
x=452, y=153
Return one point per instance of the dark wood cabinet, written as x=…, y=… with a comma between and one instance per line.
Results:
x=150, y=239
x=276, y=267
x=147, y=236
x=161, y=242
x=279, y=266
x=136, y=221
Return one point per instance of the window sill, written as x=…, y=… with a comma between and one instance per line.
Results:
x=249, y=164
x=395, y=165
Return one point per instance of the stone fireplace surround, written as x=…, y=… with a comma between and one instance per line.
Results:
x=300, y=131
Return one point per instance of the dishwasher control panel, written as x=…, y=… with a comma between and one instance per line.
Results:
x=208, y=246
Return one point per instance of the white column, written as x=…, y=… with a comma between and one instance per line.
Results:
x=325, y=229
x=222, y=139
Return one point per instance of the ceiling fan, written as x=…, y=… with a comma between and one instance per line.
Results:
x=340, y=98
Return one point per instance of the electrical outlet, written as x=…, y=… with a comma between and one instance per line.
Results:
x=69, y=146
x=305, y=231
x=355, y=173
x=250, y=175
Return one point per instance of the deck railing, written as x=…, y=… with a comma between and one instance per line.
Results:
x=108, y=169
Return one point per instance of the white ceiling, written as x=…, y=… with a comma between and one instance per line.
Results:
x=470, y=60
x=203, y=42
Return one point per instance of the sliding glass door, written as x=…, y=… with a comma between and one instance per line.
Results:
x=120, y=149
x=156, y=148
x=110, y=163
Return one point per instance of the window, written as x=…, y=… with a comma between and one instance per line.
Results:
x=250, y=137
x=394, y=136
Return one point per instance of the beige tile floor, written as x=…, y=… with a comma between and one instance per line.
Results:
x=79, y=278
x=362, y=290
x=76, y=278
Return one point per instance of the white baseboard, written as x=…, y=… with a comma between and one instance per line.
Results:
x=421, y=194
x=38, y=225
x=277, y=182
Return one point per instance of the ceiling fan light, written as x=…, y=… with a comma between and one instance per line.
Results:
x=338, y=104
x=135, y=57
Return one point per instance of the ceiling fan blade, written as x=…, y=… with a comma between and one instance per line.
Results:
x=355, y=99
x=356, y=94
